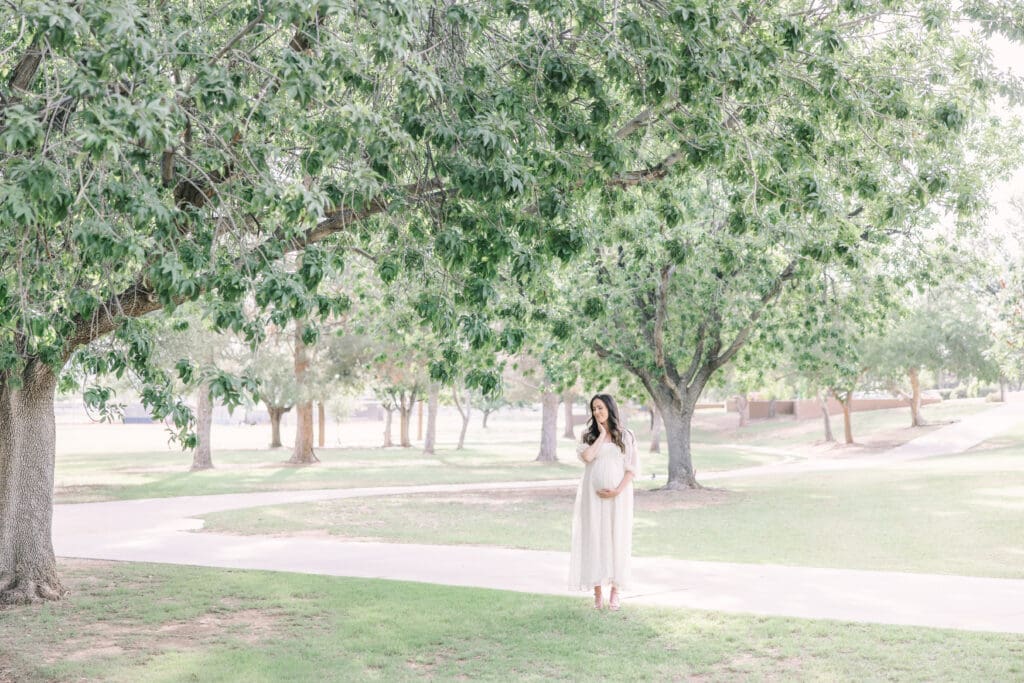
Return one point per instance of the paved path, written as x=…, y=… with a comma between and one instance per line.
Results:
x=160, y=530
x=951, y=439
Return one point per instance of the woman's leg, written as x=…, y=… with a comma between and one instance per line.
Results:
x=598, y=604
x=613, y=599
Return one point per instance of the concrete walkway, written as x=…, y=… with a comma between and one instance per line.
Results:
x=161, y=530
x=949, y=440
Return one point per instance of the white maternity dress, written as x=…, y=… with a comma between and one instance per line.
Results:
x=602, y=529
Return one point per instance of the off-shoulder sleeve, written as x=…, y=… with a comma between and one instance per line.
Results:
x=632, y=457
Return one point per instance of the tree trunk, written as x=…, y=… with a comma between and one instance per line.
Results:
x=276, y=412
x=823, y=401
x=846, y=401
x=1002, y=389
x=433, y=396
x=202, y=458
x=743, y=408
x=28, y=568
x=655, y=429
x=487, y=414
x=465, y=409
x=303, y=453
x=387, y=427
x=321, y=424
x=549, y=428
x=568, y=396
x=419, y=422
x=915, y=398
x=405, y=417
x=677, y=418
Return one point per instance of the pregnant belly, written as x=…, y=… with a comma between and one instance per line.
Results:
x=608, y=471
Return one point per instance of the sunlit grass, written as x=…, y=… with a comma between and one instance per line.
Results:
x=142, y=622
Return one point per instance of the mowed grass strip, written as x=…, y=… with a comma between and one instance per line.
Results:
x=507, y=455
x=125, y=476
x=951, y=515
x=143, y=622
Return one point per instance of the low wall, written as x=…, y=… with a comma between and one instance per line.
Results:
x=760, y=410
x=808, y=408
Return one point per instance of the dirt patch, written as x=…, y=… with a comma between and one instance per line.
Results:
x=502, y=497
x=659, y=500
x=645, y=500
x=85, y=493
x=82, y=636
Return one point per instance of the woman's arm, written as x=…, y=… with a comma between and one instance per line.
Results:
x=588, y=453
x=632, y=464
x=611, y=493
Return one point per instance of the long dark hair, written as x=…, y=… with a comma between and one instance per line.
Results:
x=615, y=428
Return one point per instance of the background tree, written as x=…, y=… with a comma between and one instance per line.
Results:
x=272, y=365
x=155, y=155
x=684, y=274
x=943, y=329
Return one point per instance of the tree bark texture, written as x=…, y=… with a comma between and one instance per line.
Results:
x=549, y=428
x=655, y=429
x=387, y=427
x=826, y=418
x=568, y=397
x=276, y=412
x=465, y=409
x=28, y=568
x=321, y=424
x=916, y=420
x=677, y=416
x=846, y=401
x=303, y=453
x=743, y=408
x=487, y=414
x=202, y=458
x=406, y=403
x=433, y=396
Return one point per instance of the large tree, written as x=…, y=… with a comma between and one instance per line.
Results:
x=155, y=153
x=852, y=145
x=152, y=154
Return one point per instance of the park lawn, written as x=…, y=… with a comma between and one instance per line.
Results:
x=93, y=477
x=122, y=476
x=149, y=622
x=951, y=515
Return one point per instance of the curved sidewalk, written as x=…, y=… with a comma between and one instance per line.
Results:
x=161, y=530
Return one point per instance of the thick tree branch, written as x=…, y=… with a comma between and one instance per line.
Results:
x=661, y=314
x=741, y=337
x=25, y=70
x=134, y=302
x=656, y=172
x=698, y=354
x=138, y=299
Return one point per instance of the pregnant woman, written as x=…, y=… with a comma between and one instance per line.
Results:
x=602, y=519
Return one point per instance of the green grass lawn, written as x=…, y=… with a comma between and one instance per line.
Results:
x=87, y=478
x=142, y=622
x=955, y=515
